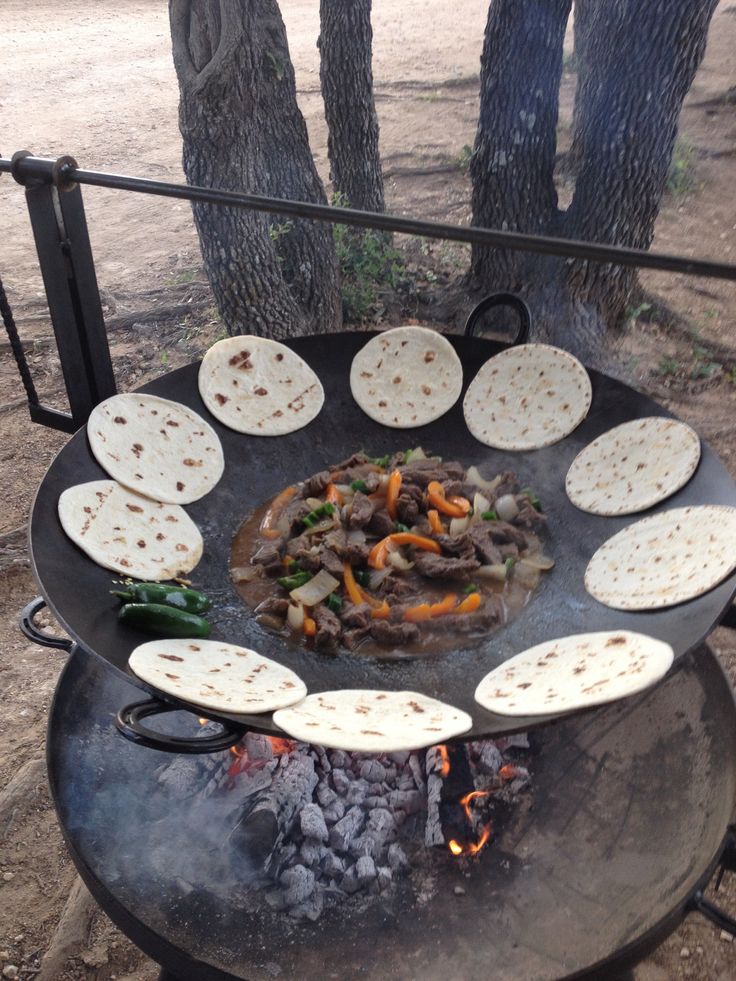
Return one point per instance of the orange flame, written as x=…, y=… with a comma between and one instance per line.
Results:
x=445, y=758
x=203, y=722
x=508, y=772
x=474, y=847
x=281, y=746
x=454, y=847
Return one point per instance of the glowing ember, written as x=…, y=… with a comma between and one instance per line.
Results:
x=508, y=772
x=203, y=722
x=445, y=758
x=454, y=847
x=281, y=746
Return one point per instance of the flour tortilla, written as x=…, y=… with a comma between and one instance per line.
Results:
x=664, y=559
x=406, y=377
x=217, y=675
x=527, y=397
x=259, y=387
x=157, y=447
x=129, y=533
x=634, y=466
x=575, y=672
x=369, y=721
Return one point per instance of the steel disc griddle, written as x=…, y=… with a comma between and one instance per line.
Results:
x=78, y=591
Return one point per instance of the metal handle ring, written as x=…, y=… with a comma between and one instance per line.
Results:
x=502, y=300
x=33, y=632
x=128, y=722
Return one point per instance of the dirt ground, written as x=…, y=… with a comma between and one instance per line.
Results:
x=96, y=80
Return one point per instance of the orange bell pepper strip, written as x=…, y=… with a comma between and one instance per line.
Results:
x=447, y=605
x=470, y=604
x=461, y=502
x=267, y=529
x=355, y=593
x=333, y=495
x=435, y=523
x=377, y=555
x=392, y=492
x=416, y=614
x=436, y=497
x=309, y=627
x=381, y=612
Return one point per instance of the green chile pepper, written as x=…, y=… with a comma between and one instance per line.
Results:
x=166, y=621
x=180, y=597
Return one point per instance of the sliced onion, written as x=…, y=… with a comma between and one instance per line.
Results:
x=417, y=454
x=506, y=507
x=459, y=525
x=318, y=588
x=496, y=571
x=314, y=503
x=246, y=573
x=399, y=561
x=377, y=576
x=327, y=524
x=480, y=503
x=538, y=561
x=473, y=477
x=525, y=575
x=295, y=616
x=356, y=536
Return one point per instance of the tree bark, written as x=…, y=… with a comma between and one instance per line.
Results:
x=513, y=158
x=640, y=63
x=346, y=77
x=583, y=18
x=242, y=130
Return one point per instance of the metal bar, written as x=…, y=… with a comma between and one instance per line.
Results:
x=65, y=257
x=40, y=169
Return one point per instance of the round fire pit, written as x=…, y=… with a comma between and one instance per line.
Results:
x=630, y=807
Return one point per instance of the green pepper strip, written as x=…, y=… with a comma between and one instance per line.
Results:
x=509, y=563
x=489, y=516
x=295, y=581
x=322, y=511
x=471, y=588
x=535, y=502
x=334, y=603
x=381, y=461
x=360, y=485
x=400, y=527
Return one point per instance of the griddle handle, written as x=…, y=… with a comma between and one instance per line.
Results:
x=33, y=632
x=502, y=300
x=128, y=722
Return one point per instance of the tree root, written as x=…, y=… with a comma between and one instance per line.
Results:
x=16, y=797
x=71, y=934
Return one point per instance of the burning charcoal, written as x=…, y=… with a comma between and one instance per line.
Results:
x=275, y=899
x=397, y=857
x=399, y=757
x=346, y=829
x=490, y=760
x=406, y=782
x=298, y=882
x=409, y=801
x=375, y=800
x=364, y=844
x=365, y=869
x=433, y=834
x=185, y=776
x=390, y=773
x=384, y=877
x=382, y=824
x=416, y=770
x=326, y=795
x=309, y=910
x=339, y=758
x=312, y=823
x=357, y=792
x=340, y=781
x=520, y=740
x=311, y=854
x=322, y=758
x=349, y=882
x=258, y=747
x=334, y=812
x=332, y=865
x=373, y=771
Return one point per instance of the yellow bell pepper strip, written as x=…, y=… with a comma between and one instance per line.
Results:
x=333, y=495
x=446, y=605
x=417, y=614
x=435, y=523
x=470, y=604
x=356, y=593
x=268, y=529
x=392, y=492
x=436, y=497
x=381, y=612
x=309, y=627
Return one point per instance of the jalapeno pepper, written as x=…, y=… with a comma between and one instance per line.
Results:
x=166, y=621
x=295, y=581
x=180, y=597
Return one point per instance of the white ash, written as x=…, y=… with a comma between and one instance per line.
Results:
x=318, y=826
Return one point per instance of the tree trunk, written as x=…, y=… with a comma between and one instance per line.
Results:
x=346, y=78
x=637, y=63
x=514, y=154
x=641, y=61
x=242, y=130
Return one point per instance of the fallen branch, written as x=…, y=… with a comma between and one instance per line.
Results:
x=72, y=932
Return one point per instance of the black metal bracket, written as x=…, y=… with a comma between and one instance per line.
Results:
x=65, y=257
x=700, y=904
x=32, y=631
x=128, y=722
x=475, y=317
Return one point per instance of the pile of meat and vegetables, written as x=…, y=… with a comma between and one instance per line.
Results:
x=404, y=551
